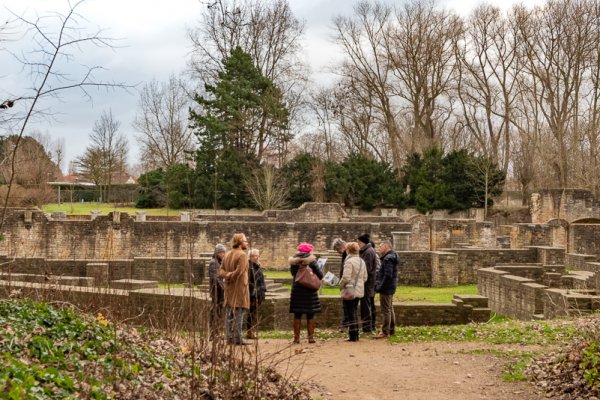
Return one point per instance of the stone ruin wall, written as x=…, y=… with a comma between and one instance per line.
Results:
x=440, y=252
x=105, y=239
x=584, y=239
x=568, y=204
x=31, y=234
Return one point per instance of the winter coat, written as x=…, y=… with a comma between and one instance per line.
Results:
x=256, y=283
x=215, y=281
x=369, y=256
x=234, y=271
x=304, y=300
x=354, y=270
x=387, y=278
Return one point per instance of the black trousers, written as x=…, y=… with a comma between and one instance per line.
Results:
x=350, y=309
x=367, y=314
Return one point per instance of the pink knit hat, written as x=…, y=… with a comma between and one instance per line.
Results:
x=305, y=247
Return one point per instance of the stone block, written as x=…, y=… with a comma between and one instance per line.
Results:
x=99, y=272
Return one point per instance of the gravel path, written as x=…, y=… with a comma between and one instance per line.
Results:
x=377, y=369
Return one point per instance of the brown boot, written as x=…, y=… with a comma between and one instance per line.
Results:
x=297, y=326
x=310, y=326
x=250, y=334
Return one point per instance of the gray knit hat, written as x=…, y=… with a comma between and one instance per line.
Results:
x=220, y=248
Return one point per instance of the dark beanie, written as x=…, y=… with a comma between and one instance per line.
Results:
x=364, y=238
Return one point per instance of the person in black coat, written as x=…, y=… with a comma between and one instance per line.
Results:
x=387, y=281
x=258, y=289
x=304, y=300
x=367, y=303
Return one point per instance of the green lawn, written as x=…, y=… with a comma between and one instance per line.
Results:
x=104, y=208
x=416, y=294
x=404, y=294
x=270, y=274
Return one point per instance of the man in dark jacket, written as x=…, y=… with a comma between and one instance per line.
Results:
x=387, y=280
x=367, y=303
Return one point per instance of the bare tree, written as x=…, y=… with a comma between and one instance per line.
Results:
x=487, y=87
x=555, y=42
x=366, y=78
x=267, y=188
x=51, y=53
x=165, y=136
x=421, y=48
x=323, y=107
x=105, y=160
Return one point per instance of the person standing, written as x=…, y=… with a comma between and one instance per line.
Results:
x=257, y=288
x=354, y=278
x=304, y=300
x=340, y=247
x=216, y=288
x=234, y=271
x=387, y=281
x=367, y=303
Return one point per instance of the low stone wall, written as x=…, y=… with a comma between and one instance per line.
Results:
x=414, y=268
x=471, y=260
x=523, y=298
x=169, y=270
x=188, y=309
x=510, y=295
x=565, y=303
x=578, y=261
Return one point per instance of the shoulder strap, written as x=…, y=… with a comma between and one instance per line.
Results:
x=359, y=270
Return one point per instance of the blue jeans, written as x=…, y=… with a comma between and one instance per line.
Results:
x=234, y=320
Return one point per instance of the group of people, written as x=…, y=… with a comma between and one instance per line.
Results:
x=237, y=286
x=364, y=273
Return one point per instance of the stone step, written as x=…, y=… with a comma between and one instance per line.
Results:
x=133, y=284
x=538, y=317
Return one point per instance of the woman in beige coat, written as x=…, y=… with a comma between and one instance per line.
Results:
x=234, y=271
x=353, y=281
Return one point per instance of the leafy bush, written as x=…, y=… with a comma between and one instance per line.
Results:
x=57, y=353
x=591, y=364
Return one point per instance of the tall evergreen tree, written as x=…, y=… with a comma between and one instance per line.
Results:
x=242, y=118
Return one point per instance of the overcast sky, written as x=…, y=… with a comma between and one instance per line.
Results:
x=153, y=46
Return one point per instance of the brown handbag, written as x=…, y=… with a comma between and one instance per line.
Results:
x=307, y=278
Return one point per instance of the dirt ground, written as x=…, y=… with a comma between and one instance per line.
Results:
x=377, y=369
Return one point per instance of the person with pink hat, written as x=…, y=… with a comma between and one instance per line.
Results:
x=304, y=300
